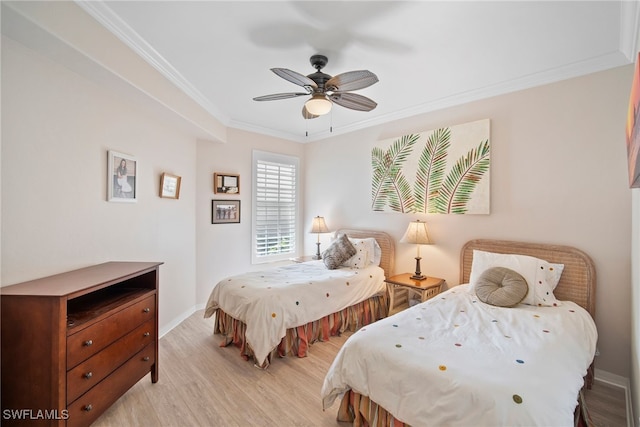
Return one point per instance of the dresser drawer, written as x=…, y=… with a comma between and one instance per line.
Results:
x=93, y=403
x=87, y=342
x=93, y=370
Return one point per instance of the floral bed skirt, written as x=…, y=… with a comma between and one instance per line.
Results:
x=298, y=339
x=361, y=411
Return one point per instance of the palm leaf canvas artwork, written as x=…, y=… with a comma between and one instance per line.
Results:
x=633, y=129
x=444, y=171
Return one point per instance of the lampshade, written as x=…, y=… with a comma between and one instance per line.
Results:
x=417, y=233
x=318, y=225
x=318, y=105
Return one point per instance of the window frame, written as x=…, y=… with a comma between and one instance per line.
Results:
x=269, y=157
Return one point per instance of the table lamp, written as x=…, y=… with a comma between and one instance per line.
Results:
x=318, y=226
x=418, y=234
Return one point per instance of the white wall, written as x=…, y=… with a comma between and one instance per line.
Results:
x=56, y=130
x=558, y=175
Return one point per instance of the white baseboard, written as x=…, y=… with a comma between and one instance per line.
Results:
x=179, y=319
x=176, y=321
x=618, y=381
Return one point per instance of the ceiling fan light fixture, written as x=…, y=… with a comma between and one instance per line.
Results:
x=326, y=90
x=318, y=105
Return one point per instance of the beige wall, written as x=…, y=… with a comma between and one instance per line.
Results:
x=558, y=175
x=225, y=249
x=56, y=130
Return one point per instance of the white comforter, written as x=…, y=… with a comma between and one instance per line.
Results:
x=455, y=361
x=271, y=301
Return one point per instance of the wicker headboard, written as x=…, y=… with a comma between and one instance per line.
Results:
x=388, y=260
x=578, y=280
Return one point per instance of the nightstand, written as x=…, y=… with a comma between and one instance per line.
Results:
x=402, y=288
x=303, y=258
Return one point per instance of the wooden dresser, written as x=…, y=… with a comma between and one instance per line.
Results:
x=73, y=343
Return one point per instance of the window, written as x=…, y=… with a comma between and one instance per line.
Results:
x=275, y=206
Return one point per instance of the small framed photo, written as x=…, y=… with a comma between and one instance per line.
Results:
x=170, y=186
x=122, y=180
x=225, y=211
x=226, y=183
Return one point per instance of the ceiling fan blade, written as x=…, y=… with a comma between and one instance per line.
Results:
x=276, y=96
x=351, y=80
x=306, y=114
x=295, y=78
x=353, y=101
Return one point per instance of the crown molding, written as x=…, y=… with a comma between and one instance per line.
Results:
x=629, y=28
x=628, y=43
x=112, y=22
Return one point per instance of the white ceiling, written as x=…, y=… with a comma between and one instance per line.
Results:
x=427, y=55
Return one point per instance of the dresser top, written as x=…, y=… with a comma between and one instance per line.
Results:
x=68, y=283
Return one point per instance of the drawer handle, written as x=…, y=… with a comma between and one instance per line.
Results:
x=87, y=408
x=146, y=334
x=146, y=310
x=88, y=375
x=88, y=343
x=145, y=359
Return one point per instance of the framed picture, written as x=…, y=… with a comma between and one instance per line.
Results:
x=170, y=186
x=122, y=180
x=225, y=211
x=633, y=129
x=226, y=183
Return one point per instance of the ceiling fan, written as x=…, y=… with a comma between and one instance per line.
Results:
x=325, y=90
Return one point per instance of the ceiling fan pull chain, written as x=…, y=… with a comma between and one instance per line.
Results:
x=331, y=122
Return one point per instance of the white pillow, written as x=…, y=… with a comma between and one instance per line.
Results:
x=541, y=276
x=369, y=252
x=374, y=250
x=553, y=273
x=361, y=258
x=547, y=278
x=377, y=252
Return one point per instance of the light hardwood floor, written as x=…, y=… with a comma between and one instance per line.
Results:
x=202, y=384
x=607, y=405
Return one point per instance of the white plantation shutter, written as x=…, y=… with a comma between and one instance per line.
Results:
x=275, y=206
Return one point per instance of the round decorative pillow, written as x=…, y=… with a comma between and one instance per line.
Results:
x=501, y=287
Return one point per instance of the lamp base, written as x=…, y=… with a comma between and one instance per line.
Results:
x=317, y=255
x=418, y=275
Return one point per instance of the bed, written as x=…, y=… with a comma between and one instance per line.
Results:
x=282, y=311
x=457, y=361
